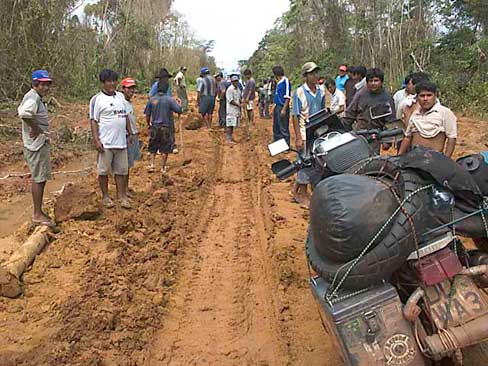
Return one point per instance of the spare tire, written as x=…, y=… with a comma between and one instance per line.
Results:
x=383, y=259
x=346, y=211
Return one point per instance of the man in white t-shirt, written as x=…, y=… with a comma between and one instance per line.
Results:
x=233, y=97
x=110, y=127
x=337, y=98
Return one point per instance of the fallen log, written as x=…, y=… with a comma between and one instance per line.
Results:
x=12, y=270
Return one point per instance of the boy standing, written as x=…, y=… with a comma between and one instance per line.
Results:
x=134, y=150
x=249, y=95
x=35, y=127
x=281, y=111
x=159, y=118
x=233, y=96
x=110, y=127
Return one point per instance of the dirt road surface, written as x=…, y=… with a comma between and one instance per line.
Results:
x=208, y=268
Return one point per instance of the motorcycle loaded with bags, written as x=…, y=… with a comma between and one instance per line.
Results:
x=395, y=284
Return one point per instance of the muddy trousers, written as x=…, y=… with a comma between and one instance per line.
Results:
x=281, y=126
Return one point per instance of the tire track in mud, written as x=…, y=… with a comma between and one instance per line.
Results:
x=224, y=312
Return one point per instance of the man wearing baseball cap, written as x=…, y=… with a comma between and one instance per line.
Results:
x=233, y=108
x=307, y=100
x=35, y=139
x=342, y=78
x=134, y=150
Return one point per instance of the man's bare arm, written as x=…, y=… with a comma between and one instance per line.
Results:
x=96, y=135
x=407, y=141
x=450, y=145
x=298, y=134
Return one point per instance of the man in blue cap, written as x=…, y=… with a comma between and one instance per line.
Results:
x=207, y=90
x=35, y=139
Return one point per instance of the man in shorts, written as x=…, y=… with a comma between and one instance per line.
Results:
x=249, y=95
x=432, y=125
x=134, y=150
x=35, y=126
x=159, y=118
x=111, y=131
x=234, y=104
x=207, y=90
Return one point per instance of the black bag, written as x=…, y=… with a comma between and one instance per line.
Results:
x=346, y=211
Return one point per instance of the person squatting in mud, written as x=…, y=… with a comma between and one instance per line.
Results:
x=159, y=118
x=112, y=133
x=35, y=130
x=432, y=125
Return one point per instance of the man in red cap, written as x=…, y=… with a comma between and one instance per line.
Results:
x=134, y=150
x=35, y=138
x=342, y=78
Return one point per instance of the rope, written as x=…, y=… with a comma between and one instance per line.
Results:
x=371, y=242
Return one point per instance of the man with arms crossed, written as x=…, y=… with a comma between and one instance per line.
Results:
x=432, y=125
x=35, y=127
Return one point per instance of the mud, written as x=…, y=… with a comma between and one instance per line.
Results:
x=208, y=268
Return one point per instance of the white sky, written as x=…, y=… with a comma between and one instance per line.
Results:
x=236, y=31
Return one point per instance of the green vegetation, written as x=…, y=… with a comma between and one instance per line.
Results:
x=446, y=38
x=134, y=37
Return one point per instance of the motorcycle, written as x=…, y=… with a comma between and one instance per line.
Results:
x=427, y=306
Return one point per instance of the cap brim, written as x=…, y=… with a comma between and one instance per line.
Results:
x=43, y=79
x=129, y=85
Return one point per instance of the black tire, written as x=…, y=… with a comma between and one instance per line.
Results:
x=387, y=256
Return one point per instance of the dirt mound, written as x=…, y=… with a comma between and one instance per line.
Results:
x=77, y=202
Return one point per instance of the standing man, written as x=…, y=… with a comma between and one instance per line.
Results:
x=360, y=113
x=281, y=112
x=180, y=82
x=110, y=126
x=307, y=100
x=249, y=95
x=159, y=118
x=337, y=98
x=342, y=78
x=349, y=85
x=35, y=127
x=222, y=86
x=234, y=104
x=163, y=76
x=207, y=90
x=359, y=76
x=262, y=99
x=432, y=125
x=134, y=150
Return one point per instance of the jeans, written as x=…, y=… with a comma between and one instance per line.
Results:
x=281, y=126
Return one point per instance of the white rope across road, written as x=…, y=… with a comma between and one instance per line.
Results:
x=23, y=175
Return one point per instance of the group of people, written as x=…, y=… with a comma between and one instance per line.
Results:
x=354, y=94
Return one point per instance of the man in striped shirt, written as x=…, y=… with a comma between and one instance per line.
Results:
x=281, y=112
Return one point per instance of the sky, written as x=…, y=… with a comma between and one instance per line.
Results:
x=236, y=31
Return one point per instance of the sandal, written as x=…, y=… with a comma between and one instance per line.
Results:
x=108, y=203
x=125, y=203
x=43, y=222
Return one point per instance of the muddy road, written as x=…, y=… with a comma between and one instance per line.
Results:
x=207, y=269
